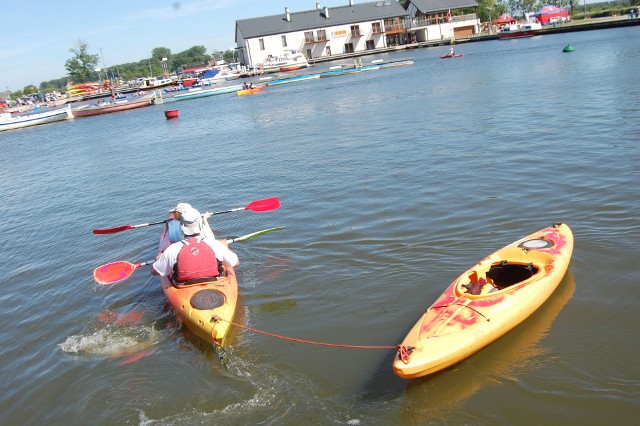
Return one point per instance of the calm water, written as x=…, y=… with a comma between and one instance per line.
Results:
x=392, y=183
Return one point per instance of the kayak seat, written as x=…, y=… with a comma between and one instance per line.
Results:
x=195, y=281
x=505, y=274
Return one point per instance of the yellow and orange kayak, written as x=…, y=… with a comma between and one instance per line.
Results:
x=486, y=302
x=206, y=308
x=251, y=91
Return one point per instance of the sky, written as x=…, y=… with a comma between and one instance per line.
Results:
x=36, y=35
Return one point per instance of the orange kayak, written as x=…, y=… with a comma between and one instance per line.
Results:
x=251, y=91
x=486, y=302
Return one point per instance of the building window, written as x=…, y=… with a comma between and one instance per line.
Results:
x=376, y=28
x=328, y=50
x=284, y=41
x=308, y=37
x=348, y=48
x=321, y=35
x=355, y=31
x=261, y=41
x=370, y=45
x=309, y=54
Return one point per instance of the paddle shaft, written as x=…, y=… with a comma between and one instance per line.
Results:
x=256, y=206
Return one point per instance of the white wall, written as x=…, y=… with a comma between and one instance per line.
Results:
x=337, y=36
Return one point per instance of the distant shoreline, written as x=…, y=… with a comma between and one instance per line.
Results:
x=572, y=26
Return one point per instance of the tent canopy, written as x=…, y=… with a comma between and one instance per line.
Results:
x=503, y=19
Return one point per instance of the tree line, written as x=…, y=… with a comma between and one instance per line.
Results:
x=82, y=67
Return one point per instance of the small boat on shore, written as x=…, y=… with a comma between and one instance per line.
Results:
x=291, y=68
x=117, y=106
x=256, y=89
x=527, y=29
x=10, y=122
x=486, y=302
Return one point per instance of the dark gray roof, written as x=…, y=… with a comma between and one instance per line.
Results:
x=426, y=6
x=300, y=21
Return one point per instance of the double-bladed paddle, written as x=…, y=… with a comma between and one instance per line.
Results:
x=255, y=206
x=114, y=272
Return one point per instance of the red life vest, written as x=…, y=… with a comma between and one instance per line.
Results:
x=196, y=260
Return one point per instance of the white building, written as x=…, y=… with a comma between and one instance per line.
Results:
x=323, y=31
x=437, y=20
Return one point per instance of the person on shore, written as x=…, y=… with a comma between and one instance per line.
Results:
x=196, y=257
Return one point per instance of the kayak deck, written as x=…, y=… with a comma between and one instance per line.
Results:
x=205, y=308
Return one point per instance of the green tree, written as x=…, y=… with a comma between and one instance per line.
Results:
x=196, y=56
x=160, y=53
x=30, y=89
x=82, y=65
x=489, y=10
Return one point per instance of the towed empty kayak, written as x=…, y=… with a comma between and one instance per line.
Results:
x=486, y=302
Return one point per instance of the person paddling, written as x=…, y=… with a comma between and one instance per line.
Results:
x=198, y=256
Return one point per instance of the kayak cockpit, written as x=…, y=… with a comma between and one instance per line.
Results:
x=500, y=274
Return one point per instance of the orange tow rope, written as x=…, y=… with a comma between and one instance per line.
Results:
x=403, y=351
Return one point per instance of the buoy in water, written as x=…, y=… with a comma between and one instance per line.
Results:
x=568, y=48
x=172, y=113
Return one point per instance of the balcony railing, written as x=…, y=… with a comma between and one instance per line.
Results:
x=424, y=22
x=315, y=39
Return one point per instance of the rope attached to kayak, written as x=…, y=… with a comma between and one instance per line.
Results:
x=404, y=352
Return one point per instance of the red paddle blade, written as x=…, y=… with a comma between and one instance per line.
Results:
x=113, y=230
x=264, y=205
x=113, y=272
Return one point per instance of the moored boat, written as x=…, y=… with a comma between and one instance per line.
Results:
x=201, y=93
x=486, y=302
x=295, y=79
x=106, y=108
x=288, y=60
x=527, y=29
x=10, y=122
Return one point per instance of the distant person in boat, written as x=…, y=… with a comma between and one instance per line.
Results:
x=251, y=86
x=245, y=86
x=198, y=255
x=451, y=52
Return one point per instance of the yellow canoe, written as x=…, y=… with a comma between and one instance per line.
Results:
x=486, y=302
